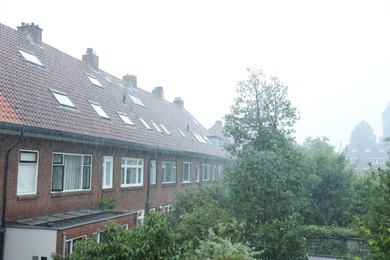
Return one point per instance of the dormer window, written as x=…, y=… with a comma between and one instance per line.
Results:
x=125, y=118
x=99, y=110
x=94, y=81
x=63, y=99
x=136, y=100
x=30, y=57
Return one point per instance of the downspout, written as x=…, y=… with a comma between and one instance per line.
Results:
x=3, y=213
x=63, y=244
x=147, y=201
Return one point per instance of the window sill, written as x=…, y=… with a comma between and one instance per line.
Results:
x=169, y=184
x=107, y=190
x=26, y=197
x=70, y=193
x=186, y=183
x=132, y=188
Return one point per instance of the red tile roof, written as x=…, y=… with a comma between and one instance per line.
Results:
x=26, y=99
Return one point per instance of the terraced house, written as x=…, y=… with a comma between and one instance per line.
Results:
x=74, y=137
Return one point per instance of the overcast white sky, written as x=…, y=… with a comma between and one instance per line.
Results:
x=333, y=55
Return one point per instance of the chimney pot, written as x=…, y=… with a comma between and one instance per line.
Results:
x=91, y=58
x=159, y=91
x=130, y=81
x=33, y=32
x=179, y=102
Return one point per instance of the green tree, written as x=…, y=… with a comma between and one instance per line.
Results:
x=155, y=239
x=329, y=183
x=362, y=135
x=261, y=114
x=375, y=223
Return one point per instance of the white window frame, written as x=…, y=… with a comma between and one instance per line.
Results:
x=140, y=217
x=197, y=167
x=139, y=168
x=125, y=118
x=98, y=109
x=186, y=177
x=71, y=245
x=182, y=133
x=167, y=166
x=156, y=127
x=152, y=210
x=167, y=208
x=24, y=163
x=107, y=170
x=206, y=174
x=94, y=81
x=63, y=98
x=84, y=165
x=145, y=124
x=28, y=56
x=165, y=129
x=153, y=172
x=136, y=100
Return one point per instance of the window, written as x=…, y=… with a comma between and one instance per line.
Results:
x=71, y=172
x=167, y=208
x=140, y=217
x=165, y=129
x=182, y=133
x=145, y=124
x=200, y=138
x=27, y=172
x=206, y=172
x=108, y=79
x=99, y=110
x=98, y=236
x=197, y=173
x=220, y=172
x=30, y=57
x=186, y=172
x=132, y=172
x=69, y=245
x=63, y=99
x=156, y=126
x=153, y=172
x=136, y=100
x=125, y=118
x=152, y=210
x=125, y=226
x=107, y=172
x=168, y=172
x=94, y=81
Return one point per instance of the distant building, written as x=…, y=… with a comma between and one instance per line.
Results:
x=73, y=135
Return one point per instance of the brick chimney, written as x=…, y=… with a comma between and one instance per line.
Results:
x=33, y=32
x=179, y=102
x=91, y=58
x=159, y=91
x=130, y=81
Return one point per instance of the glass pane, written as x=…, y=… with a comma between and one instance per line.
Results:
x=57, y=158
x=87, y=177
x=107, y=175
x=27, y=178
x=58, y=178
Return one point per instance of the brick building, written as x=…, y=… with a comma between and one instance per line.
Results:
x=73, y=136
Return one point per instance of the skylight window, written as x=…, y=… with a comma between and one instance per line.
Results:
x=30, y=57
x=136, y=100
x=145, y=124
x=63, y=99
x=182, y=133
x=94, y=81
x=200, y=139
x=156, y=126
x=108, y=79
x=196, y=122
x=206, y=139
x=125, y=118
x=165, y=129
x=99, y=110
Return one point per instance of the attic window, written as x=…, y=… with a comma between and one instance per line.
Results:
x=136, y=100
x=125, y=118
x=182, y=133
x=99, y=109
x=30, y=57
x=200, y=138
x=165, y=129
x=108, y=79
x=156, y=126
x=94, y=81
x=145, y=124
x=63, y=99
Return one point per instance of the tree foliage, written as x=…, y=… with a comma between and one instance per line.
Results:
x=375, y=223
x=261, y=114
x=329, y=184
x=362, y=135
x=155, y=239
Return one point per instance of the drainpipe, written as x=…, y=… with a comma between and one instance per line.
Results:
x=147, y=201
x=3, y=213
x=63, y=244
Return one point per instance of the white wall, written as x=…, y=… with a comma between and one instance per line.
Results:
x=24, y=243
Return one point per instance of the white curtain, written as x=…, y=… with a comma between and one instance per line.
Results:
x=72, y=178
